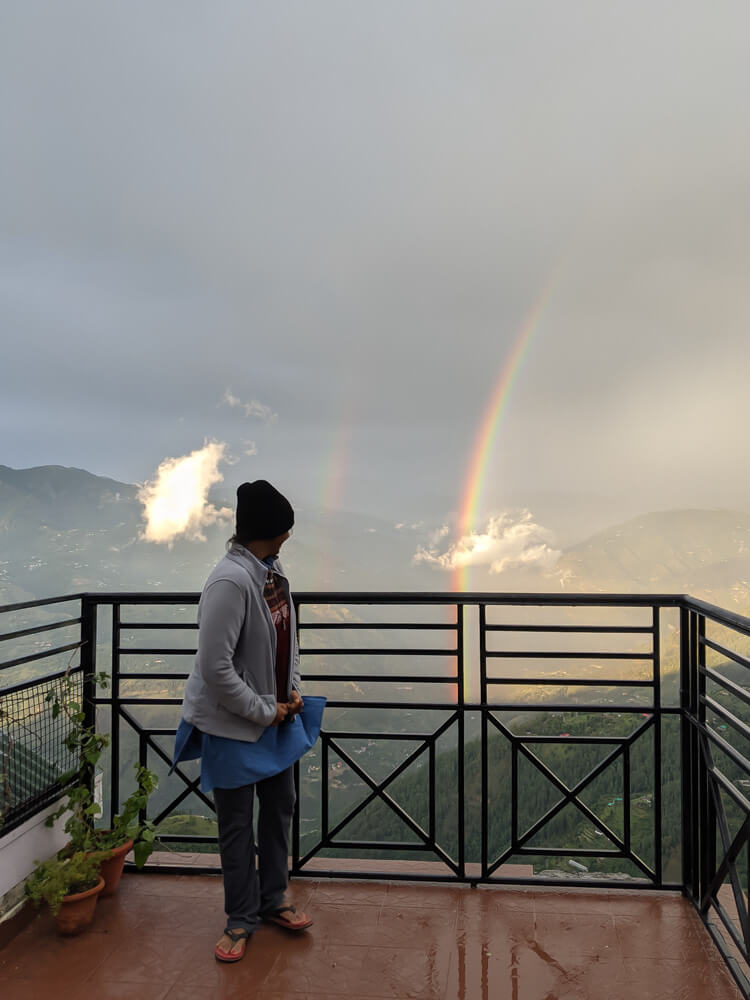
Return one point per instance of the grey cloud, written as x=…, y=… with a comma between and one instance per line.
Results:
x=347, y=212
x=252, y=408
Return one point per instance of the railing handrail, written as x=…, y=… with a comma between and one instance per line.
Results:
x=413, y=597
x=718, y=614
x=41, y=601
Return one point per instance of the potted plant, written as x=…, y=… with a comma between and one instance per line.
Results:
x=70, y=886
x=129, y=831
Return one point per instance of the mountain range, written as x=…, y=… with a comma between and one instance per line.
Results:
x=64, y=530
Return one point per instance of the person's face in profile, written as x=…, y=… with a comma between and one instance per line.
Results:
x=276, y=543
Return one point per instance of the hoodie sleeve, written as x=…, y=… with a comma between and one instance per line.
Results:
x=222, y=617
x=294, y=660
x=296, y=678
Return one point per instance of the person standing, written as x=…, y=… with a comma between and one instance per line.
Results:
x=245, y=679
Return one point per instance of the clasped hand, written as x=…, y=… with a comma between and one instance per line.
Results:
x=288, y=709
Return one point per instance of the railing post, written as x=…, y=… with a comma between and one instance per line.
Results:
x=695, y=754
x=707, y=809
x=461, y=700
x=484, y=727
x=297, y=790
x=114, y=778
x=687, y=768
x=88, y=671
x=658, y=867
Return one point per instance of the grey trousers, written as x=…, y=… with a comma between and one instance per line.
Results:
x=250, y=889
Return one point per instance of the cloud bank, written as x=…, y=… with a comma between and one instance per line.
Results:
x=176, y=501
x=507, y=542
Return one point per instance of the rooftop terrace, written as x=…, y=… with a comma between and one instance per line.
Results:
x=531, y=796
x=154, y=941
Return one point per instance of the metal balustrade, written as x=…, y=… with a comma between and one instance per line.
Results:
x=448, y=677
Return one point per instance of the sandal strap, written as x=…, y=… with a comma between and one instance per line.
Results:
x=236, y=936
x=280, y=910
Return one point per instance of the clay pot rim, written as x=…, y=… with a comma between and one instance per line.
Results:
x=94, y=891
x=115, y=851
x=112, y=852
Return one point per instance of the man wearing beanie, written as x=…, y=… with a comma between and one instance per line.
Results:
x=245, y=679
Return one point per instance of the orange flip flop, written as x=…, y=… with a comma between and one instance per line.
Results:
x=234, y=936
x=277, y=917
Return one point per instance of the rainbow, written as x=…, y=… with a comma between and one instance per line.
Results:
x=485, y=438
x=334, y=468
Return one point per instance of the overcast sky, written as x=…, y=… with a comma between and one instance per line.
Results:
x=313, y=231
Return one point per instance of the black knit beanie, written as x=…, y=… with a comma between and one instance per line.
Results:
x=262, y=512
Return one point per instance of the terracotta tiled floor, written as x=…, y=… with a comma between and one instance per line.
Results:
x=155, y=940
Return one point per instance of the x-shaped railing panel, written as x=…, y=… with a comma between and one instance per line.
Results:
x=569, y=796
x=378, y=791
x=193, y=784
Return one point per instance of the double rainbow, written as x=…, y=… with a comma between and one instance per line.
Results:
x=483, y=444
x=333, y=479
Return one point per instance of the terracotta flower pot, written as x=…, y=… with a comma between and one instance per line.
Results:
x=77, y=911
x=111, y=867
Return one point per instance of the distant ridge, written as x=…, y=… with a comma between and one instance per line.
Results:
x=46, y=474
x=59, y=529
x=60, y=497
x=65, y=529
x=683, y=550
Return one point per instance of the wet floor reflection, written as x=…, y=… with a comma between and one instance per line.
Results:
x=560, y=946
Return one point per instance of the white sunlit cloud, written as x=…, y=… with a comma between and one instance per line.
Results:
x=251, y=448
x=507, y=542
x=253, y=408
x=176, y=501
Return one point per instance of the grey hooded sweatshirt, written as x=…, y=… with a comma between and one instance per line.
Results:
x=231, y=691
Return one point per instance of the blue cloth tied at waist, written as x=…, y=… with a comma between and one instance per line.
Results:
x=228, y=763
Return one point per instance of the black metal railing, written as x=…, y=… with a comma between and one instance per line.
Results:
x=471, y=733
x=33, y=759
x=716, y=760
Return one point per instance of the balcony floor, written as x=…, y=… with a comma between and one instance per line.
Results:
x=154, y=940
